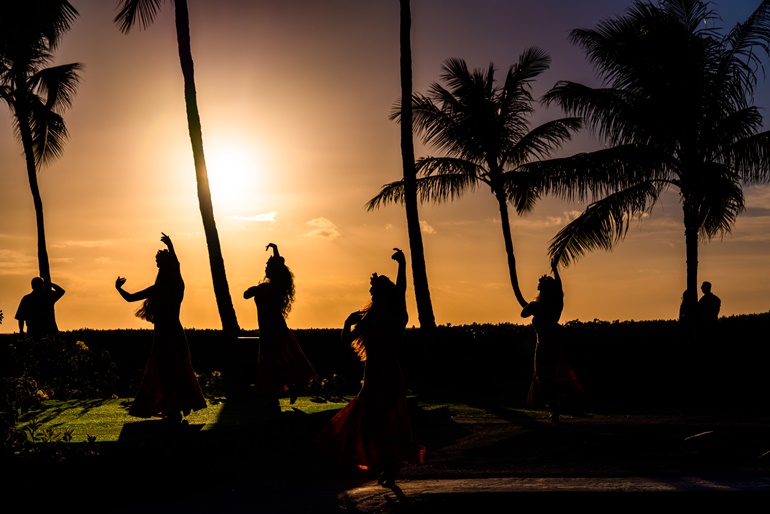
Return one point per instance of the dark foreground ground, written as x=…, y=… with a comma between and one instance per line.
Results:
x=266, y=464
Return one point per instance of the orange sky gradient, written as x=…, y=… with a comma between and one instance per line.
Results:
x=294, y=99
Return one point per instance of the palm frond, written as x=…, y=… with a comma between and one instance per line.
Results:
x=30, y=22
x=435, y=189
x=740, y=59
x=731, y=127
x=750, y=157
x=541, y=141
x=532, y=62
x=392, y=192
x=448, y=165
x=49, y=132
x=607, y=112
x=591, y=175
x=603, y=224
x=57, y=84
x=721, y=204
x=521, y=190
x=131, y=11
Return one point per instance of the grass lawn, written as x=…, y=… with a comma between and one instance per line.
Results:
x=105, y=419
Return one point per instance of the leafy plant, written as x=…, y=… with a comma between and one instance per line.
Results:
x=326, y=389
x=17, y=396
x=49, y=444
x=212, y=385
x=63, y=369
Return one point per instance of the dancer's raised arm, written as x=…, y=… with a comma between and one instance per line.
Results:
x=131, y=297
x=400, y=258
x=556, y=276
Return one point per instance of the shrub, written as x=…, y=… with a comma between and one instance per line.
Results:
x=18, y=395
x=62, y=369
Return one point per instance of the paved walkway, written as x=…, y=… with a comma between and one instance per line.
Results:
x=476, y=465
x=631, y=460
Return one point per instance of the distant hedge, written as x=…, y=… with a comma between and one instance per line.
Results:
x=626, y=366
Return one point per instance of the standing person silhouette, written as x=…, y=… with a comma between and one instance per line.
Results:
x=282, y=365
x=708, y=306
x=169, y=387
x=374, y=430
x=554, y=383
x=36, y=309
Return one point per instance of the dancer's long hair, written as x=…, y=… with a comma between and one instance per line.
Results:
x=281, y=279
x=168, y=287
x=550, y=298
x=387, y=307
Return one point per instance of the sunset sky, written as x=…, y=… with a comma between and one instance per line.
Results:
x=294, y=98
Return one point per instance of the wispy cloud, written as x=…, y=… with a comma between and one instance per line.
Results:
x=81, y=244
x=559, y=221
x=258, y=218
x=323, y=229
x=426, y=228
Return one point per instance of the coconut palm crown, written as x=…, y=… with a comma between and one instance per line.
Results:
x=35, y=93
x=483, y=128
x=675, y=106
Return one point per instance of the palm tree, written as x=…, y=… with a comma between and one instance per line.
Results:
x=419, y=272
x=36, y=94
x=676, y=97
x=483, y=128
x=144, y=12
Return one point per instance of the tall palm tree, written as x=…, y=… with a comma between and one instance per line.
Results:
x=677, y=96
x=483, y=128
x=419, y=272
x=29, y=33
x=144, y=12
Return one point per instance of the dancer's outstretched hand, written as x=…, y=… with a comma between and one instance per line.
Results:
x=398, y=256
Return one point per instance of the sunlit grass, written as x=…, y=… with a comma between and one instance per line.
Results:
x=105, y=419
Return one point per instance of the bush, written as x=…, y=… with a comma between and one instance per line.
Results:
x=18, y=395
x=62, y=369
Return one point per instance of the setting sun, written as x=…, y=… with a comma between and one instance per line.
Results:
x=236, y=177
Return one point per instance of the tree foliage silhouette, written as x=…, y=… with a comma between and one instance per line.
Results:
x=484, y=129
x=675, y=108
x=30, y=31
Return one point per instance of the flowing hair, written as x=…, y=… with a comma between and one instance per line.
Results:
x=166, y=283
x=384, y=309
x=281, y=279
x=146, y=311
x=550, y=298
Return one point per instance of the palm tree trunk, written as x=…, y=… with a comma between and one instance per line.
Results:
x=419, y=273
x=691, y=255
x=216, y=261
x=506, y=223
x=26, y=140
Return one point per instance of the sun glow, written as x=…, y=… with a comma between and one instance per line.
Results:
x=236, y=178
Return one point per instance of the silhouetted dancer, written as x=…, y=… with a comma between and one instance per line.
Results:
x=554, y=383
x=36, y=309
x=374, y=432
x=282, y=365
x=169, y=387
x=708, y=306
